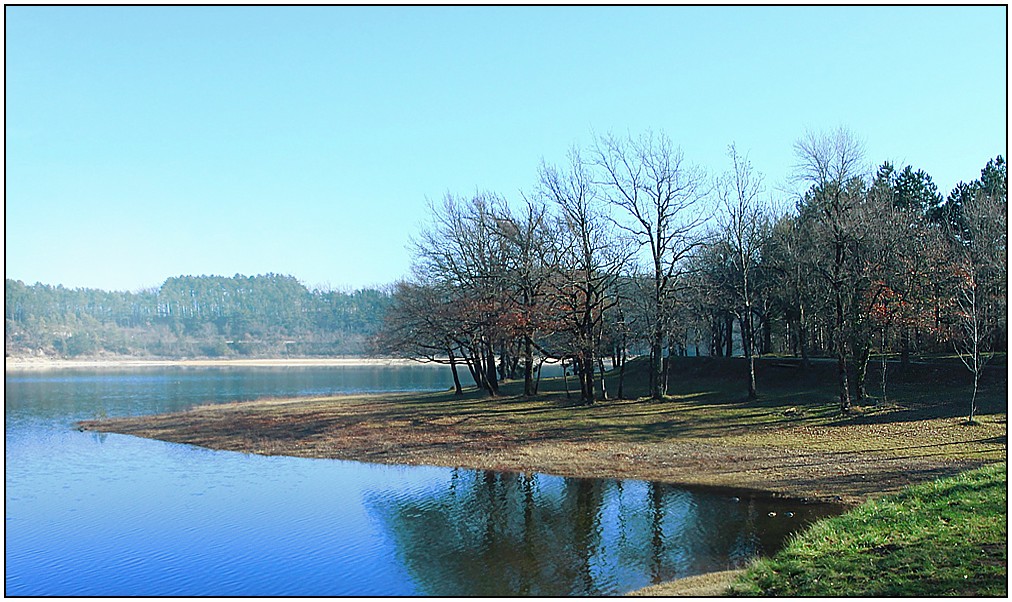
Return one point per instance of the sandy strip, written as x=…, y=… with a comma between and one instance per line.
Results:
x=20, y=364
x=707, y=585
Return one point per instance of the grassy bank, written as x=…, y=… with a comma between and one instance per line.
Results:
x=942, y=538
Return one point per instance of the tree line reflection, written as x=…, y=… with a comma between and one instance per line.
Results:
x=498, y=534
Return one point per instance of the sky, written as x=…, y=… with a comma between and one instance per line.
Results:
x=148, y=142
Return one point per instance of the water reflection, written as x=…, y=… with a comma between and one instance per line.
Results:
x=70, y=394
x=495, y=534
x=109, y=515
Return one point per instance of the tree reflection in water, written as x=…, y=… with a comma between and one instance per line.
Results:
x=500, y=534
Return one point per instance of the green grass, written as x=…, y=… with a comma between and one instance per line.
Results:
x=946, y=537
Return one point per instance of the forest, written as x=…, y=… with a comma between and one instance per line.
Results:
x=627, y=249
x=192, y=316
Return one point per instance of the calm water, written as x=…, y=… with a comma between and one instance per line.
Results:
x=113, y=515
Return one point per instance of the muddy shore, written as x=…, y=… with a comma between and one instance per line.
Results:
x=43, y=363
x=480, y=434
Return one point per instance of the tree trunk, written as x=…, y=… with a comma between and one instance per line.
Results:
x=668, y=364
x=767, y=334
x=861, y=371
x=729, y=339
x=529, y=388
x=472, y=367
x=604, y=388
x=803, y=339
x=840, y=344
x=565, y=377
x=883, y=352
x=537, y=382
x=491, y=380
x=841, y=371
x=973, y=399
x=716, y=346
x=745, y=324
x=586, y=365
x=905, y=349
x=457, y=389
x=657, y=390
x=790, y=343
x=504, y=361
x=621, y=368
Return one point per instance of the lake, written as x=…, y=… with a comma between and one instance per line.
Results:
x=91, y=514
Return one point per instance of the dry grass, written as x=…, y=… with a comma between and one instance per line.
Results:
x=706, y=585
x=791, y=441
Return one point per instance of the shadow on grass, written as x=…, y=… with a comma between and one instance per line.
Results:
x=705, y=404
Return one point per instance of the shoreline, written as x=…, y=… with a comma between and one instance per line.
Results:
x=388, y=428
x=437, y=429
x=20, y=364
x=785, y=445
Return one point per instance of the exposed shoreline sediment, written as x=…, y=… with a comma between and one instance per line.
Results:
x=438, y=429
x=43, y=363
x=787, y=444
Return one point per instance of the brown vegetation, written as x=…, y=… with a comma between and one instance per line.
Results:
x=792, y=441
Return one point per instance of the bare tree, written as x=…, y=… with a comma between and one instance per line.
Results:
x=533, y=260
x=423, y=323
x=980, y=292
x=832, y=165
x=661, y=197
x=460, y=250
x=744, y=227
x=591, y=259
x=796, y=289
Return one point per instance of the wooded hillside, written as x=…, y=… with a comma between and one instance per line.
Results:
x=192, y=316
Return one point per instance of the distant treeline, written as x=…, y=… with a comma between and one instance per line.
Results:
x=192, y=316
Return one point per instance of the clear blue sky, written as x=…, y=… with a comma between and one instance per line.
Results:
x=143, y=143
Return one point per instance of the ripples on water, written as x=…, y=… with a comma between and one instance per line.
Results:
x=111, y=515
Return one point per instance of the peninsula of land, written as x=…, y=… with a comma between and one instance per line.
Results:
x=790, y=442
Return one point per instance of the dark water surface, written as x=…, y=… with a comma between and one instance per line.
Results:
x=113, y=515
